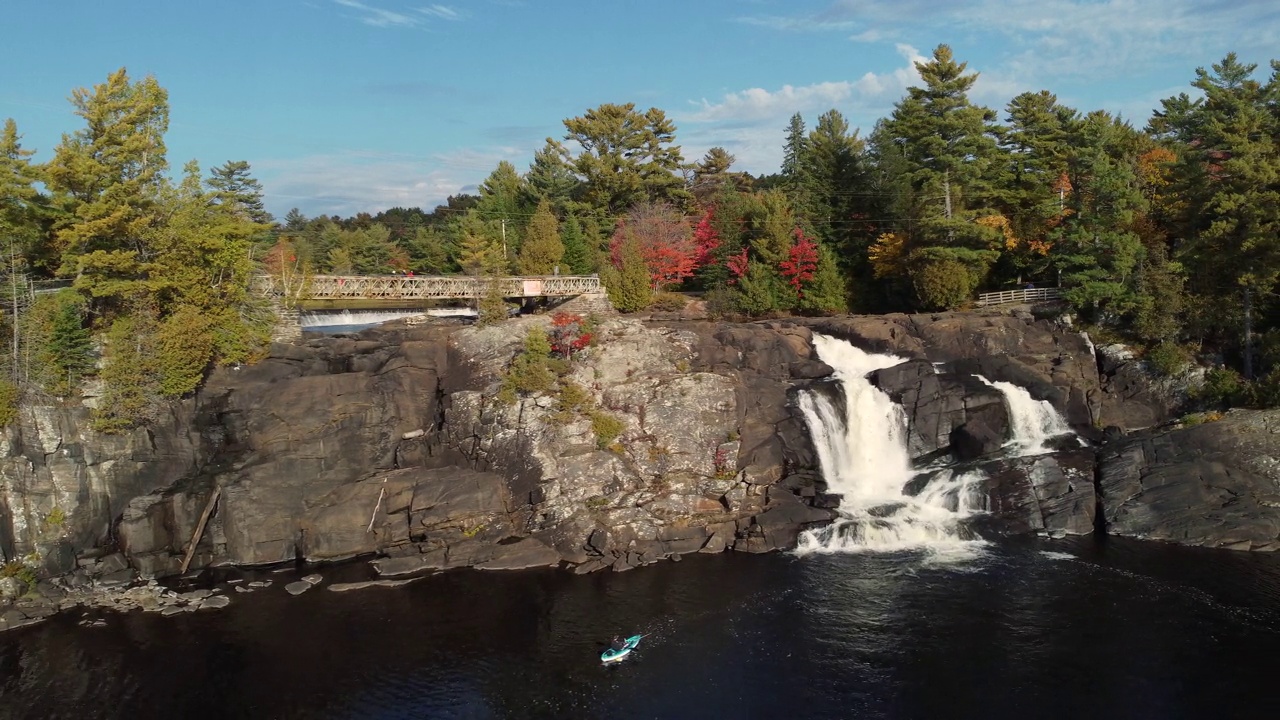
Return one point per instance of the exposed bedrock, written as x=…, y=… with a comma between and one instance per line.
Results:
x=394, y=444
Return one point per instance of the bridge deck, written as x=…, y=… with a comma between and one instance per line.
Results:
x=431, y=287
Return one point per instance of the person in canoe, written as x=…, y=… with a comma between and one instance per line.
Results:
x=617, y=644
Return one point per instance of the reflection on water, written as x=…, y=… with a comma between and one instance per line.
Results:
x=1115, y=630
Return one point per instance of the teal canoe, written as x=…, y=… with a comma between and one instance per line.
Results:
x=612, y=655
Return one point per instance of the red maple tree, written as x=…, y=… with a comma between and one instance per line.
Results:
x=665, y=241
x=802, y=260
x=569, y=335
x=705, y=235
x=737, y=265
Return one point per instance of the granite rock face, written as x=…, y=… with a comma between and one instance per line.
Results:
x=1215, y=484
x=393, y=443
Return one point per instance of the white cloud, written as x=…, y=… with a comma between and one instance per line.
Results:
x=801, y=24
x=443, y=12
x=751, y=124
x=868, y=36
x=380, y=17
x=348, y=183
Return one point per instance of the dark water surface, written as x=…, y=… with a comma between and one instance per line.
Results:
x=1122, y=630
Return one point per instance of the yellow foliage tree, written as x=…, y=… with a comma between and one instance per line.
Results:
x=888, y=255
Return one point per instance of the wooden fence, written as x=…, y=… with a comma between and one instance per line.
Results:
x=1004, y=297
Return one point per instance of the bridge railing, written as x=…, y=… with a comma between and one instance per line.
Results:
x=1005, y=297
x=427, y=287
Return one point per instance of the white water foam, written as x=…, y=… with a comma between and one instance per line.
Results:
x=1052, y=555
x=863, y=455
x=1034, y=422
x=368, y=318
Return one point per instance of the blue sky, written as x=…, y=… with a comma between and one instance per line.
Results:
x=349, y=105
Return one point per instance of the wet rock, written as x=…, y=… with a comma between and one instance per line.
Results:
x=396, y=567
x=345, y=587
x=1052, y=494
x=974, y=439
x=527, y=553
x=214, y=602
x=298, y=587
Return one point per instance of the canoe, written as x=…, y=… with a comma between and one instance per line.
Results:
x=612, y=655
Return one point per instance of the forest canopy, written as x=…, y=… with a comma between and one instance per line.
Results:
x=1164, y=236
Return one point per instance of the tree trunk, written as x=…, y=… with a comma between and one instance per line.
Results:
x=1248, y=333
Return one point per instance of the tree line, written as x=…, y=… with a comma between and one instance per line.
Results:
x=1165, y=235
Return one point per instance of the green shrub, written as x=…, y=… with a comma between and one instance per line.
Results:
x=1222, y=388
x=529, y=373
x=59, y=346
x=943, y=284
x=669, y=302
x=1167, y=359
x=630, y=288
x=573, y=397
x=185, y=346
x=606, y=427
x=1265, y=391
x=56, y=518
x=9, y=396
x=20, y=570
x=130, y=375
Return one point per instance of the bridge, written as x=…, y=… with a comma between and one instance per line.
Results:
x=1004, y=297
x=363, y=292
x=415, y=288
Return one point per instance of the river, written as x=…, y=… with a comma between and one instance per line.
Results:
x=1067, y=629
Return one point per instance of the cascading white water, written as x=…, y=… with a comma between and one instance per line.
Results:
x=1033, y=421
x=346, y=318
x=863, y=454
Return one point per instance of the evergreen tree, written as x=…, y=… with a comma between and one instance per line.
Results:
x=1096, y=248
x=235, y=190
x=480, y=247
x=20, y=227
x=1230, y=176
x=627, y=157
x=796, y=182
x=109, y=175
x=295, y=220
x=578, y=258
x=430, y=251
x=950, y=149
x=627, y=281
x=541, y=252
x=504, y=202
x=550, y=178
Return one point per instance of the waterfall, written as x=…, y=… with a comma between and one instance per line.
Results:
x=862, y=450
x=368, y=318
x=1033, y=421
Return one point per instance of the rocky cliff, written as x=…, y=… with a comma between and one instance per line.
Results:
x=395, y=444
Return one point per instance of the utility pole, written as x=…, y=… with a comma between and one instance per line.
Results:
x=504, y=239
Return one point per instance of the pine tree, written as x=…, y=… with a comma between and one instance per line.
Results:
x=1230, y=176
x=627, y=281
x=20, y=226
x=238, y=192
x=795, y=164
x=541, y=252
x=1096, y=247
x=480, y=247
x=950, y=149
x=110, y=174
x=627, y=157
x=578, y=258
